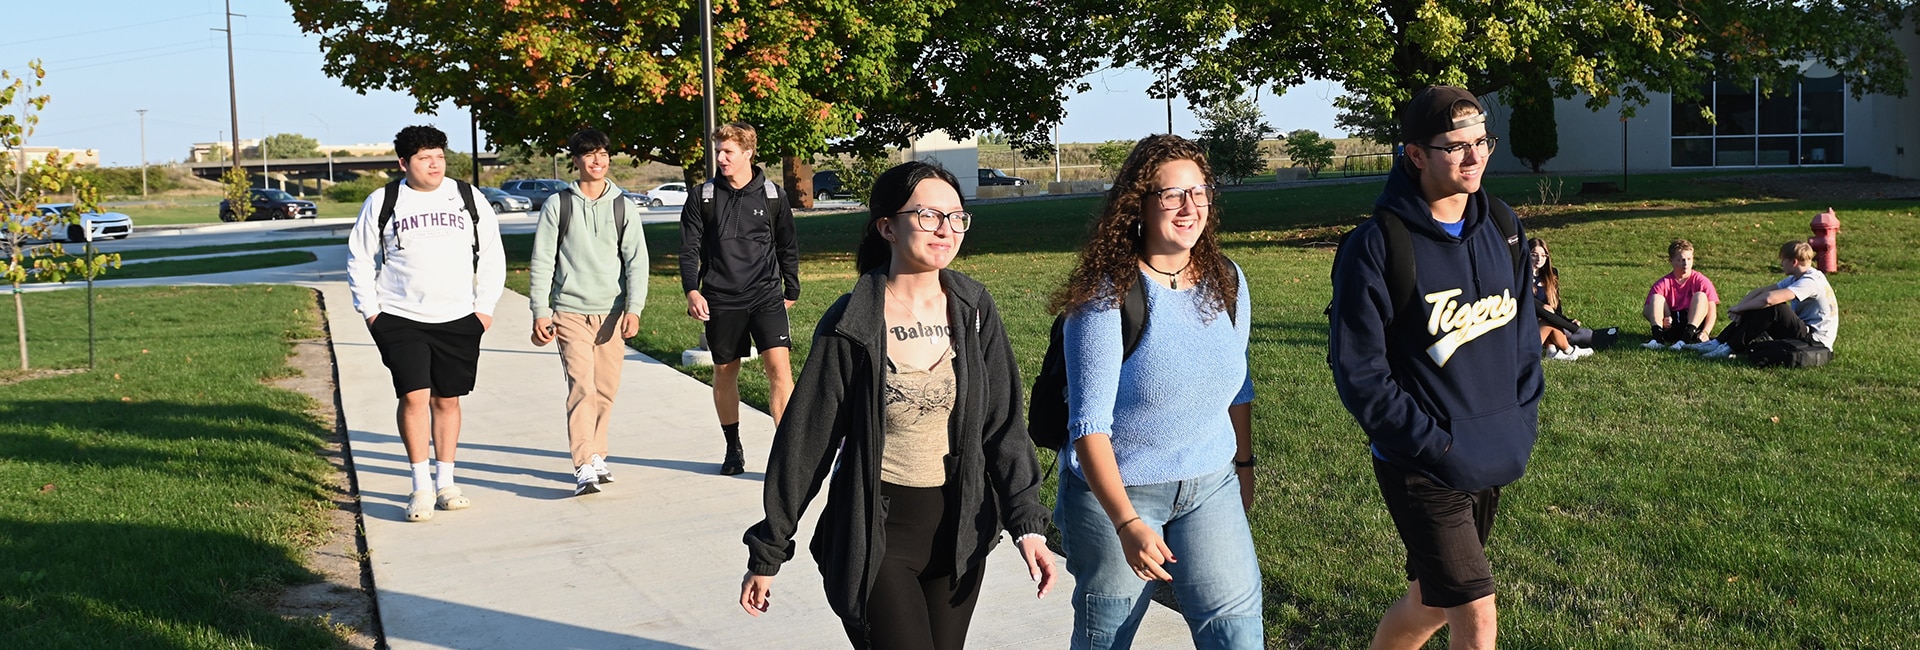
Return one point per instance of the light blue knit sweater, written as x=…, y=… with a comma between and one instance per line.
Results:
x=1166, y=407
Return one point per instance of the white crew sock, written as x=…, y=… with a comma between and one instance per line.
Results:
x=422, y=480
x=442, y=475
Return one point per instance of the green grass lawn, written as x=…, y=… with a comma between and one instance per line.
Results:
x=1672, y=502
x=224, y=264
x=161, y=499
x=206, y=210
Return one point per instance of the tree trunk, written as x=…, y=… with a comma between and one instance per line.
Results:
x=797, y=175
x=20, y=320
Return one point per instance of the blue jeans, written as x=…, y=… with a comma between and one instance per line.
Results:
x=1217, y=577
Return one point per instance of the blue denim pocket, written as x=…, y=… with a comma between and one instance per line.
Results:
x=1101, y=618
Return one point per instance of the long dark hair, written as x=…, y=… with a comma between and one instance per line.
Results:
x=890, y=193
x=1548, y=275
x=1110, y=262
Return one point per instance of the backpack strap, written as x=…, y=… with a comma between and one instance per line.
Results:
x=1133, y=318
x=387, y=202
x=473, y=213
x=1400, y=283
x=619, y=225
x=1509, y=223
x=566, y=217
x=773, y=191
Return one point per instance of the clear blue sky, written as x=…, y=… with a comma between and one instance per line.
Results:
x=106, y=58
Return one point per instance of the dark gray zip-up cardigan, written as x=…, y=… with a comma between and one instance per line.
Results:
x=839, y=398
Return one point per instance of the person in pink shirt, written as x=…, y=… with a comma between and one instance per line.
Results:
x=1681, y=304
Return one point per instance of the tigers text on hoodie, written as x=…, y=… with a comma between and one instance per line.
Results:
x=428, y=273
x=1451, y=390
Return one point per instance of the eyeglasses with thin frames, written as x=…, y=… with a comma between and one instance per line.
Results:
x=928, y=219
x=1173, y=198
x=1457, y=151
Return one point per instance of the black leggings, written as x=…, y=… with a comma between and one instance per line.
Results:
x=916, y=602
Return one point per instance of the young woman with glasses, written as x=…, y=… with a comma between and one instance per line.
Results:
x=1158, y=473
x=912, y=383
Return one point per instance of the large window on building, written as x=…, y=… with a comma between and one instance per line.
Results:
x=1802, y=122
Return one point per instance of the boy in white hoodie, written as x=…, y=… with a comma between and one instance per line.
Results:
x=425, y=267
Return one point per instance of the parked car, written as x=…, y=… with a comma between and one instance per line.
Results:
x=504, y=202
x=535, y=190
x=92, y=226
x=270, y=203
x=639, y=198
x=826, y=185
x=990, y=176
x=666, y=194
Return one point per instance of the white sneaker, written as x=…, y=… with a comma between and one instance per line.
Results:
x=1720, y=351
x=1678, y=346
x=1704, y=346
x=600, y=470
x=1561, y=355
x=1580, y=353
x=1654, y=345
x=585, y=481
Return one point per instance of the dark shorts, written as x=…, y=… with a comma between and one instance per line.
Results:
x=440, y=356
x=728, y=331
x=1445, y=532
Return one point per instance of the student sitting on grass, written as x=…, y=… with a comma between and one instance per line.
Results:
x=1800, y=306
x=1566, y=338
x=1680, y=306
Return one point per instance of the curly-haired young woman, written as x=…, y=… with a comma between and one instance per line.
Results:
x=1159, y=466
x=910, y=401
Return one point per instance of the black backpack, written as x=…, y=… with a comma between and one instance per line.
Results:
x=1789, y=353
x=1047, y=411
x=566, y=217
x=1400, y=271
x=392, y=197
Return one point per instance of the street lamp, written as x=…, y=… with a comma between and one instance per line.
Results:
x=143, y=151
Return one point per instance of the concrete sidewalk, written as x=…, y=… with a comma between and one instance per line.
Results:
x=654, y=561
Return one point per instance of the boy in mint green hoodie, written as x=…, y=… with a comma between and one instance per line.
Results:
x=588, y=283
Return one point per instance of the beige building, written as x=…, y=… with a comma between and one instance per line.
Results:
x=19, y=159
x=204, y=151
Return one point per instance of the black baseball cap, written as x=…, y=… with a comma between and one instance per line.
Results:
x=1431, y=113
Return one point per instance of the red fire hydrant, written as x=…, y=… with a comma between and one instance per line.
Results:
x=1825, y=241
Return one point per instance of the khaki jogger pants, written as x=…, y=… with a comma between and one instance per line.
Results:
x=591, y=352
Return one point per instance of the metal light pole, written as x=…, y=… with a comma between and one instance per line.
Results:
x=706, y=80
x=473, y=115
x=263, y=153
x=143, y=178
x=1056, y=153
x=329, y=128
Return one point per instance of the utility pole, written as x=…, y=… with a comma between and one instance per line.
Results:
x=706, y=80
x=233, y=96
x=143, y=159
x=1169, y=113
x=263, y=150
x=1056, y=153
x=473, y=115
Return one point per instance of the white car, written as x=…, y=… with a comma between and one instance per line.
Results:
x=93, y=226
x=667, y=194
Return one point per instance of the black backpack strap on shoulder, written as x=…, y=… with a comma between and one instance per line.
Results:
x=619, y=226
x=473, y=213
x=1509, y=223
x=1133, y=318
x=1399, y=258
x=1233, y=308
x=566, y=217
x=390, y=196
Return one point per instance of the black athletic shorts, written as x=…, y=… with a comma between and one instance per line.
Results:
x=440, y=356
x=1445, y=531
x=729, y=330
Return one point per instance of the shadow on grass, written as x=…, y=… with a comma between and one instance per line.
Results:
x=101, y=585
x=156, y=436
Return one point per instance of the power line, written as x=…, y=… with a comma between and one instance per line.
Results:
x=105, y=29
x=56, y=62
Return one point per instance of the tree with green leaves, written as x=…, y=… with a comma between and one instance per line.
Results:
x=1307, y=149
x=237, y=190
x=1230, y=132
x=858, y=173
x=1381, y=51
x=1532, y=133
x=290, y=145
x=812, y=75
x=1111, y=155
x=30, y=253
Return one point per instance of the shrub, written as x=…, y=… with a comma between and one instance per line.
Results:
x=1231, y=135
x=1307, y=149
x=356, y=190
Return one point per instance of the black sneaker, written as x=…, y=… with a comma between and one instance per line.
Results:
x=735, y=463
x=585, y=481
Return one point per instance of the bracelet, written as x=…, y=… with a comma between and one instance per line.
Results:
x=1249, y=462
x=1123, y=525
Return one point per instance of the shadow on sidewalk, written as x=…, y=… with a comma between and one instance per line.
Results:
x=500, y=629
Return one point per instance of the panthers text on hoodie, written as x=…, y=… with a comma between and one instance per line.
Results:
x=423, y=268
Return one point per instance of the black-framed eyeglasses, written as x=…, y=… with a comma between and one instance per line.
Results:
x=1484, y=147
x=928, y=219
x=1173, y=198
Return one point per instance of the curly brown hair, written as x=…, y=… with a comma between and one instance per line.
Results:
x=1110, y=261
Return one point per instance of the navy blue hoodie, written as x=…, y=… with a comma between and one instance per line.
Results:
x=1451, y=390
